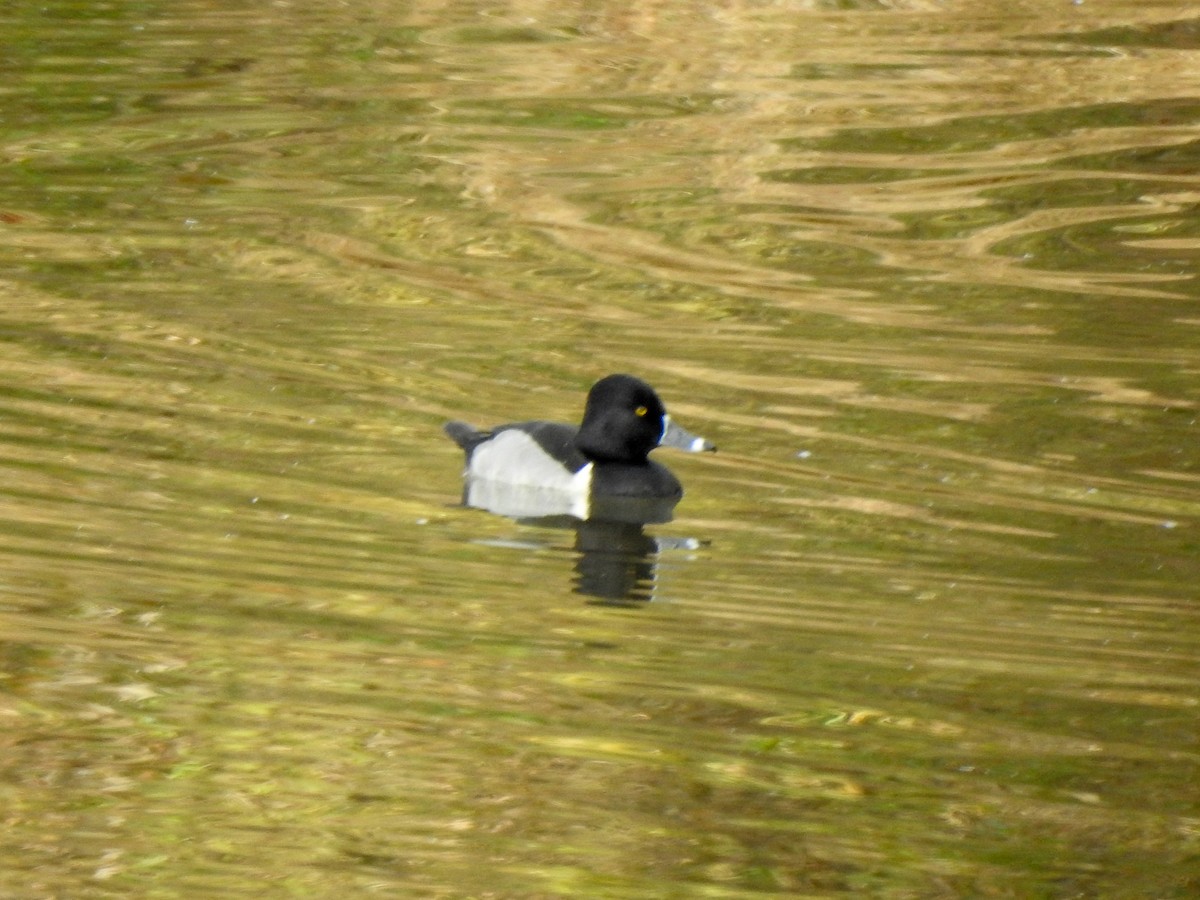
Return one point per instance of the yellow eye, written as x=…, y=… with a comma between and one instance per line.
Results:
x=640, y=411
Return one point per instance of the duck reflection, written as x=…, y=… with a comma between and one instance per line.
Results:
x=617, y=561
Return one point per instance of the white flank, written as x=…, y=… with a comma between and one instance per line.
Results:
x=512, y=475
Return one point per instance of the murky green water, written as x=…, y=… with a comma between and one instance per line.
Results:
x=925, y=627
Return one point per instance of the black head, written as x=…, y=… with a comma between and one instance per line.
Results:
x=622, y=422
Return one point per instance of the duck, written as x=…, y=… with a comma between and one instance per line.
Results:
x=560, y=468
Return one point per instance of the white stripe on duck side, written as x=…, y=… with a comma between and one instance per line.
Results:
x=513, y=459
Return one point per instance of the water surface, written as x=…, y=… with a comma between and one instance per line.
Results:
x=924, y=627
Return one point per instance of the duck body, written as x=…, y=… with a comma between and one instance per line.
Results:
x=572, y=468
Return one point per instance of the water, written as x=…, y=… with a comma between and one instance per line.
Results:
x=924, y=627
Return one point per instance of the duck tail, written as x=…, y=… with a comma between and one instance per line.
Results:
x=466, y=436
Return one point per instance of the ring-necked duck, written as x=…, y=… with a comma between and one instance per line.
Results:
x=604, y=457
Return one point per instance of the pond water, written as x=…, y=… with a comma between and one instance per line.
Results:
x=925, y=626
